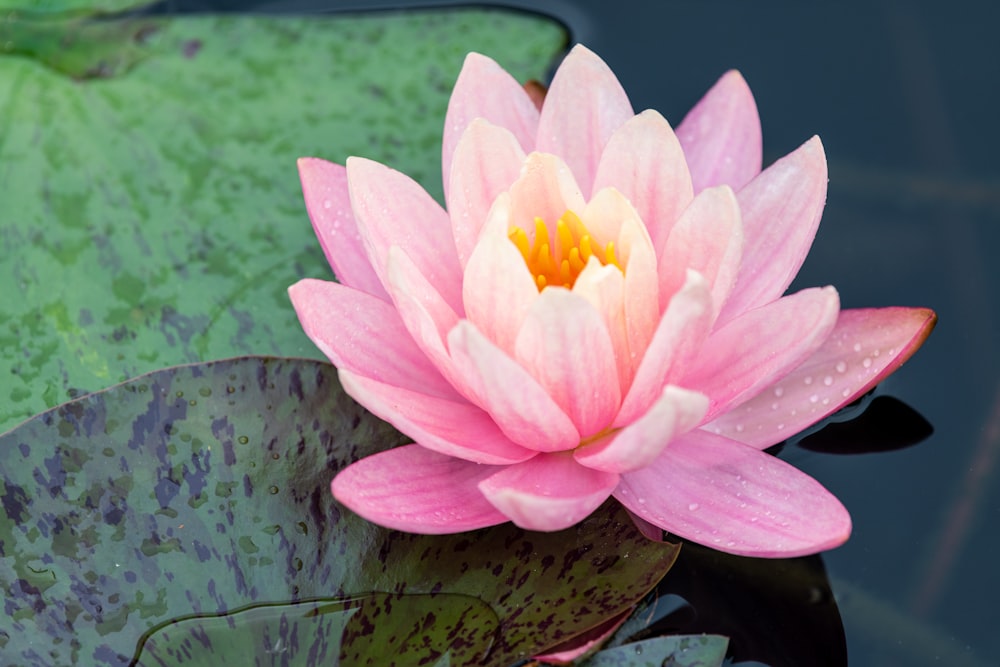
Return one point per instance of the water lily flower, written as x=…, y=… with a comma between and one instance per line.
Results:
x=599, y=311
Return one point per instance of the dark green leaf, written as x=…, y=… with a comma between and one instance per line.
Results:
x=168, y=506
x=676, y=651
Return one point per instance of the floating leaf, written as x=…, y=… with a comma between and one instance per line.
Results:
x=163, y=508
x=676, y=651
x=156, y=218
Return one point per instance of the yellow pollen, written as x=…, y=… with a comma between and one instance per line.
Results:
x=559, y=260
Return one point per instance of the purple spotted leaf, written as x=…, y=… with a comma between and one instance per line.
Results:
x=186, y=513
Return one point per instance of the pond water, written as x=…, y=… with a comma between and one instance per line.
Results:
x=904, y=96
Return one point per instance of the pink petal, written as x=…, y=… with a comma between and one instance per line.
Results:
x=426, y=316
x=761, y=347
x=678, y=338
x=865, y=347
x=416, y=490
x=363, y=334
x=566, y=346
x=393, y=210
x=644, y=161
x=584, y=106
x=549, y=492
x=324, y=187
x=587, y=642
x=487, y=161
x=450, y=427
x=546, y=189
x=709, y=239
x=604, y=288
x=518, y=404
x=486, y=90
x=637, y=445
x=781, y=212
x=721, y=135
x=736, y=499
x=498, y=289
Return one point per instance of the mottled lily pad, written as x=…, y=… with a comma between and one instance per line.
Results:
x=187, y=502
x=155, y=217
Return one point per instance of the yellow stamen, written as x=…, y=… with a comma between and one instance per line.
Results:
x=559, y=259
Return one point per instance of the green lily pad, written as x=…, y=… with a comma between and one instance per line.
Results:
x=155, y=217
x=180, y=506
x=676, y=651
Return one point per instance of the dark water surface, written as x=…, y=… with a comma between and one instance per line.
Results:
x=904, y=96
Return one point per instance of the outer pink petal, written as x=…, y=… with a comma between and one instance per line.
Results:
x=363, y=334
x=781, y=211
x=549, y=492
x=451, y=427
x=566, y=346
x=546, y=189
x=674, y=347
x=736, y=499
x=644, y=161
x=393, y=210
x=709, y=239
x=864, y=348
x=721, y=135
x=518, y=404
x=486, y=90
x=637, y=445
x=324, y=186
x=583, y=108
x=762, y=346
x=498, y=289
x=487, y=161
x=416, y=490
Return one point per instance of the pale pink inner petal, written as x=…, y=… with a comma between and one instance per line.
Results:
x=781, y=210
x=604, y=288
x=324, y=186
x=487, y=161
x=393, y=210
x=865, y=346
x=485, y=90
x=721, y=135
x=451, y=427
x=709, y=239
x=583, y=108
x=674, y=346
x=364, y=334
x=546, y=189
x=677, y=411
x=518, y=404
x=734, y=498
x=645, y=162
x=413, y=489
x=498, y=289
x=565, y=345
x=424, y=312
x=549, y=492
x=762, y=346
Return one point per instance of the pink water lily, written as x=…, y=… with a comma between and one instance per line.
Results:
x=599, y=311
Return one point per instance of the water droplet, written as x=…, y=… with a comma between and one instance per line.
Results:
x=327, y=204
x=845, y=393
x=694, y=507
x=739, y=428
x=774, y=406
x=892, y=352
x=807, y=380
x=781, y=427
x=814, y=398
x=778, y=392
x=857, y=347
x=841, y=367
x=867, y=363
x=243, y=440
x=876, y=352
x=272, y=490
x=828, y=380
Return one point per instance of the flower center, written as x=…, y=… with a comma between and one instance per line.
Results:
x=558, y=260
